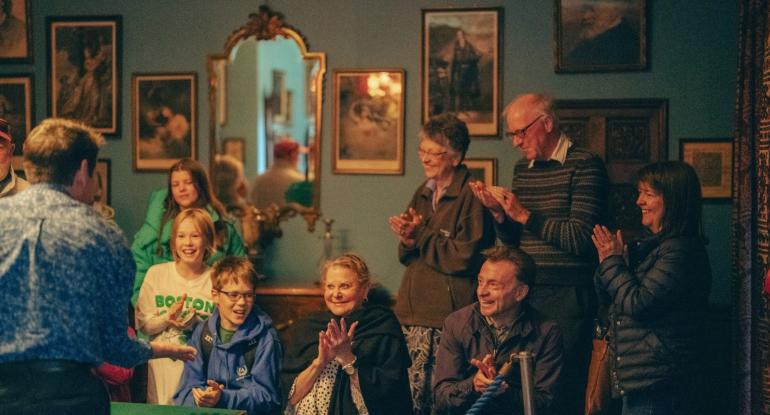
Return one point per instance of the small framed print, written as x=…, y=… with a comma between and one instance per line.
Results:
x=164, y=119
x=713, y=162
x=84, y=67
x=103, y=174
x=368, y=121
x=15, y=32
x=601, y=35
x=16, y=107
x=461, y=66
x=483, y=169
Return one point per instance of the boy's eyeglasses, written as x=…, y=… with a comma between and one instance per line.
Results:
x=235, y=296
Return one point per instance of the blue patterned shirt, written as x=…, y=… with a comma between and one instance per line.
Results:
x=65, y=282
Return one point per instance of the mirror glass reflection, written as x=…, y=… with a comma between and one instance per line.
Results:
x=267, y=116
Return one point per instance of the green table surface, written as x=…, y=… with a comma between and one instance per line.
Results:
x=122, y=408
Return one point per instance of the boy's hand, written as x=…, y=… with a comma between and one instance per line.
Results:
x=208, y=397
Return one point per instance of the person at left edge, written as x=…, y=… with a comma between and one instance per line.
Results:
x=10, y=183
x=65, y=273
x=188, y=186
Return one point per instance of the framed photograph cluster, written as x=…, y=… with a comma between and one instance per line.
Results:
x=600, y=35
x=368, y=118
x=16, y=107
x=712, y=159
x=15, y=32
x=84, y=70
x=164, y=119
x=461, y=66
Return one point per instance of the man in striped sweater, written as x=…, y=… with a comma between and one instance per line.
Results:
x=559, y=193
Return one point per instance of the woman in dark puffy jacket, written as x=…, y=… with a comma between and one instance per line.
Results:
x=657, y=289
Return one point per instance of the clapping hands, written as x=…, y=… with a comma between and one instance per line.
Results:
x=486, y=375
x=404, y=225
x=208, y=397
x=500, y=202
x=336, y=342
x=608, y=244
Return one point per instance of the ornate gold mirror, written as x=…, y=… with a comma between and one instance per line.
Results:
x=265, y=95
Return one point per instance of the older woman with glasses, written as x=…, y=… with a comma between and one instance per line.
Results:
x=441, y=235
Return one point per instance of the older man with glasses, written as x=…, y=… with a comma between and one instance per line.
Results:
x=559, y=193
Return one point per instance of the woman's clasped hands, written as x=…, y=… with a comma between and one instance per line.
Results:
x=336, y=342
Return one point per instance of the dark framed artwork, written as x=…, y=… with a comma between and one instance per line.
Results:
x=235, y=147
x=368, y=121
x=461, y=66
x=164, y=119
x=15, y=31
x=103, y=174
x=483, y=169
x=627, y=134
x=16, y=107
x=84, y=70
x=712, y=159
x=600, y=35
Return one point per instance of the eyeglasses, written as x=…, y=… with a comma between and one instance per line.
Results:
x=430, y=154
x=235, y=296
x=522, y=132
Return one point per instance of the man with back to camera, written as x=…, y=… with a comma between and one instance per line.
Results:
x=65, y=280
x=559, y=193
x=479, y=338
x=10, y=183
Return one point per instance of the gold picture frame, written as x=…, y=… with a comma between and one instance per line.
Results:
x=368, y=121
x=483, y=169
x=712, y=159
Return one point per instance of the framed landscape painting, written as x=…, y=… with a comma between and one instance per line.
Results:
x=461, y=66
x=84, y=70
x=164, y=119
x=16, y=107
x=368, y=121
x=15, y=31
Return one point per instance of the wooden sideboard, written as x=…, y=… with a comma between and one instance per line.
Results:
x=288, y=303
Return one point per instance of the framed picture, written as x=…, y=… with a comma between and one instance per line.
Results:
x=627, y=134
x=164, y=119
x=368, y=121
x=483, y=169
x=15, y=32
x=601, y=35
x=713, y=161
x=16, y=107
x=461, y=66
x=84, y=67
x=103, y=173
x=235, y=147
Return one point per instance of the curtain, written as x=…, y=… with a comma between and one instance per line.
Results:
x=751, y=182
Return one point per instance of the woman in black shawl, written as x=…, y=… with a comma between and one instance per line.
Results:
x=340, y=369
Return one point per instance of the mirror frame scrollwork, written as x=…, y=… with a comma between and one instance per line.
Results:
x=267, y=25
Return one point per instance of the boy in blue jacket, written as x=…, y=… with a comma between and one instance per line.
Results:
x=239, y=354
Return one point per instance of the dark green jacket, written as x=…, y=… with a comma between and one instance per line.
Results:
x=145, y=243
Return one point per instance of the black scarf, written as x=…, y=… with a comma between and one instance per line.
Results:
x=382, y=360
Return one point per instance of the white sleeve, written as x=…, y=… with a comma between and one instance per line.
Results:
x=147, y=319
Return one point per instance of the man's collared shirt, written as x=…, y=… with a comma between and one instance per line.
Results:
x=65, y=282
x=560, y=152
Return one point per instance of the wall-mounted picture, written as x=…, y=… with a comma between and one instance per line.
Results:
x=235, y=147
x=713, y=161
x=461, y=66
x=16, y=107
x=483, y=169
x=164, y=119
x=600, y=35
x=103, y=174
x=368, y=121
x=84, y=68
x=15, y=31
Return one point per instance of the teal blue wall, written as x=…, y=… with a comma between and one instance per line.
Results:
x=693, y=59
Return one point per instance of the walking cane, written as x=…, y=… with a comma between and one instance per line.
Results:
x=527, y=387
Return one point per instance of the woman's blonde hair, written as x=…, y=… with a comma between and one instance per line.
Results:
x=203, y=223
x=352, y=262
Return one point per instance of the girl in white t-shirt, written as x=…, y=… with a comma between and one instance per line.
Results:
x=175, y=296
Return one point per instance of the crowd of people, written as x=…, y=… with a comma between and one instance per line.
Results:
x=489, y=272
